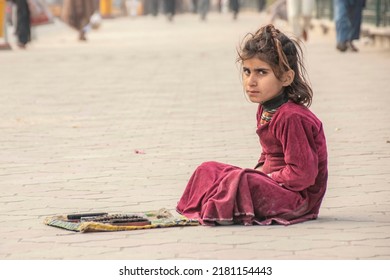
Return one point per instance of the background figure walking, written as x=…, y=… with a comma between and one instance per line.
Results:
x=133, y=7
x=204, y=6
x=155, y=7
x=348, y=18
x=23, y=27
x=261, y=5
x=121, y=4
x=277, y=10
x=194, y=6
x=299, y=14
x=77, y=14
x=170, y=8
x=234, y=7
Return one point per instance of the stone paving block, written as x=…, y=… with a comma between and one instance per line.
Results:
x=62, y=252
x=238, y=254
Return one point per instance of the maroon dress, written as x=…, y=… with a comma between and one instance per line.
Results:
x=289, y=190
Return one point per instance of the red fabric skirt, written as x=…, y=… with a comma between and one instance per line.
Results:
x=222, y=193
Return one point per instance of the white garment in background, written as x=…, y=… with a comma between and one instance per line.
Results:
x=132, y=6
x=299, y=14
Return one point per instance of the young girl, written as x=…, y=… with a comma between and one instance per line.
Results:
x=289, y=181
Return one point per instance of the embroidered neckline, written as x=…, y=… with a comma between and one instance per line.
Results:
x=271, y=106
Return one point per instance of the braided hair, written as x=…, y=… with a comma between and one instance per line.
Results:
x=282, y=54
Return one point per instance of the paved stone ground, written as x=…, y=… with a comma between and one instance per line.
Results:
x=72, y=115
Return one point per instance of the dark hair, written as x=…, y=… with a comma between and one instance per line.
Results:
x=282, y=54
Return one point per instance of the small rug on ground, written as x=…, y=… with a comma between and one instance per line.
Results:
x=103, y=222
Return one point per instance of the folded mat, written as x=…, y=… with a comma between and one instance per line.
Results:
x=98, y=222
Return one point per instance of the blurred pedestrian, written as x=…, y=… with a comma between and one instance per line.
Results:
x=132, y=6
x=121, y=5
x=223, y=6
x=204, y=6
x=299, y=15
x=289, y=181
x=155, y=7
x=170, y=9
x=261, y=5
x=23, y=26
x=219, y=6
x=234, y=6
x=194, y=6
x=77, y=14
x=277, y=10
x=348, y=18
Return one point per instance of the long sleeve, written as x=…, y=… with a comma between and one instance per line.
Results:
x=297, y=137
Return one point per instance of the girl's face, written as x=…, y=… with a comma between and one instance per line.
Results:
x=259, y=80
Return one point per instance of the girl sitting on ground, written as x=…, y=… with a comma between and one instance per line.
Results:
x=289, y=181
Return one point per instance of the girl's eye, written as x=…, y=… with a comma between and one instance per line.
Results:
x=261, y=72
x=246, y=71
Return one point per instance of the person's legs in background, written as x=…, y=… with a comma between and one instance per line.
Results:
x=261, y=5
x=169, y=7
x=194, y=6
x=294, y=16
x=356, y=11
x=23, y=28
x=235, y=7
x=343, y=24
x=307, y=14
x=155, y=6
x=204, y=7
